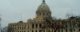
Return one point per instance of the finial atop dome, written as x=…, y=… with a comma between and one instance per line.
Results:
x=43, y=1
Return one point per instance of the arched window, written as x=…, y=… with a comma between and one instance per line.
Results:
x=36, y=30
x=40, y=30
x=32, y=30
x=70, y=30
x=79, y=29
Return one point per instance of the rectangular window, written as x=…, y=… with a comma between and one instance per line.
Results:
x=32, y=25
x=39, y=25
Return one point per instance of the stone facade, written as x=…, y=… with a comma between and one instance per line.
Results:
x=45, y=23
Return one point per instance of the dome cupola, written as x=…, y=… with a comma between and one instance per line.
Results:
x=43, y=10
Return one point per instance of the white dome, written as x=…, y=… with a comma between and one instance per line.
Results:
x=43, y=10
x=43, y=7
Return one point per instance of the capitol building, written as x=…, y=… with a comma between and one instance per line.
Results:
x=43, y=22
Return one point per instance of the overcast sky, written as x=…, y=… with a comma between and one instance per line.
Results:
x=15, y=10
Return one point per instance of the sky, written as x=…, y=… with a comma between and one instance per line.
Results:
x=12, y=11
